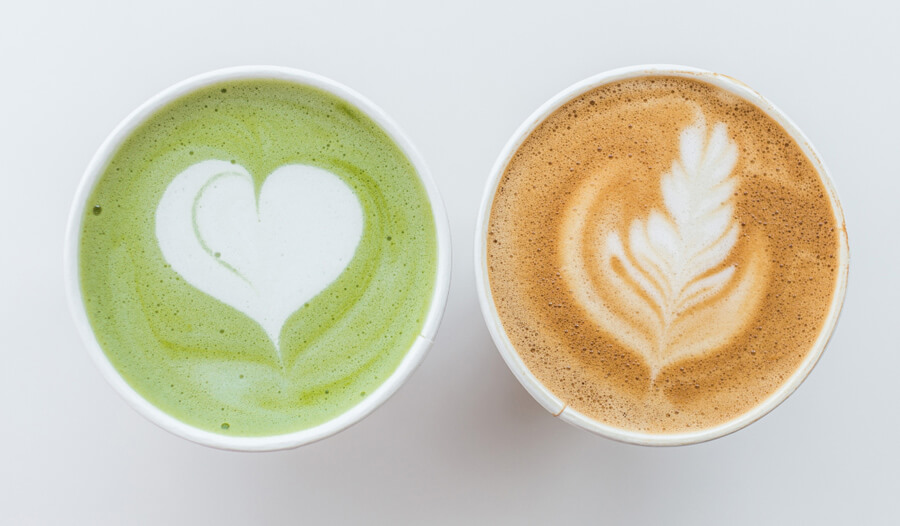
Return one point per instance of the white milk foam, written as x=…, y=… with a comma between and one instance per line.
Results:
x=670, y=263
x=265, y=256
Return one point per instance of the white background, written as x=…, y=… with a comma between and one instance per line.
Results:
x=461, y=442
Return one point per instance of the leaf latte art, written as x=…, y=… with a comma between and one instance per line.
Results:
x=661, y=254
x=663, y=285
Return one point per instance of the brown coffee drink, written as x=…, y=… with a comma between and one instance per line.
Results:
x=662, y=254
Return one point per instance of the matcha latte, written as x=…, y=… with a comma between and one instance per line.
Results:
x=257, y=256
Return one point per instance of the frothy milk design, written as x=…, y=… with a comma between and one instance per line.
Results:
x=265, y=256
x=665, y=288
x=662, y=254
x=258, y=257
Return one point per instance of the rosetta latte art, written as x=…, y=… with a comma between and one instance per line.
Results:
x=663, y=286
x=662, y=254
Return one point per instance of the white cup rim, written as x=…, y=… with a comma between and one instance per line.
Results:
x=539, y=391
x=414, y=355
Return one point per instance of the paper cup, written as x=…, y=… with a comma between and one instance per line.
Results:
x=413, y=356
x=541, y=393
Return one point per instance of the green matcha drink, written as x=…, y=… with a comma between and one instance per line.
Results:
x=257, y=257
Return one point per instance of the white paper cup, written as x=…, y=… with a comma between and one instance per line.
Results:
x=541, y=393
x=284, y=441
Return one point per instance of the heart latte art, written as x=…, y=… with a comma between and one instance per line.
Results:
x=264, y=256
x=257, y=258
x=662, y=255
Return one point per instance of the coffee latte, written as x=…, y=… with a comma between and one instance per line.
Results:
x=662, y=254
x=257, y=257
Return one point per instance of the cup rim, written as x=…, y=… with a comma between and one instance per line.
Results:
x=413, y=357
x=539, y=391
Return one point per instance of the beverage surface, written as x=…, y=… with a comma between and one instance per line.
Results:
x=662, y=254
x=257, y=257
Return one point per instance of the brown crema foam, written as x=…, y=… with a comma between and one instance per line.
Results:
x=662, y=254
